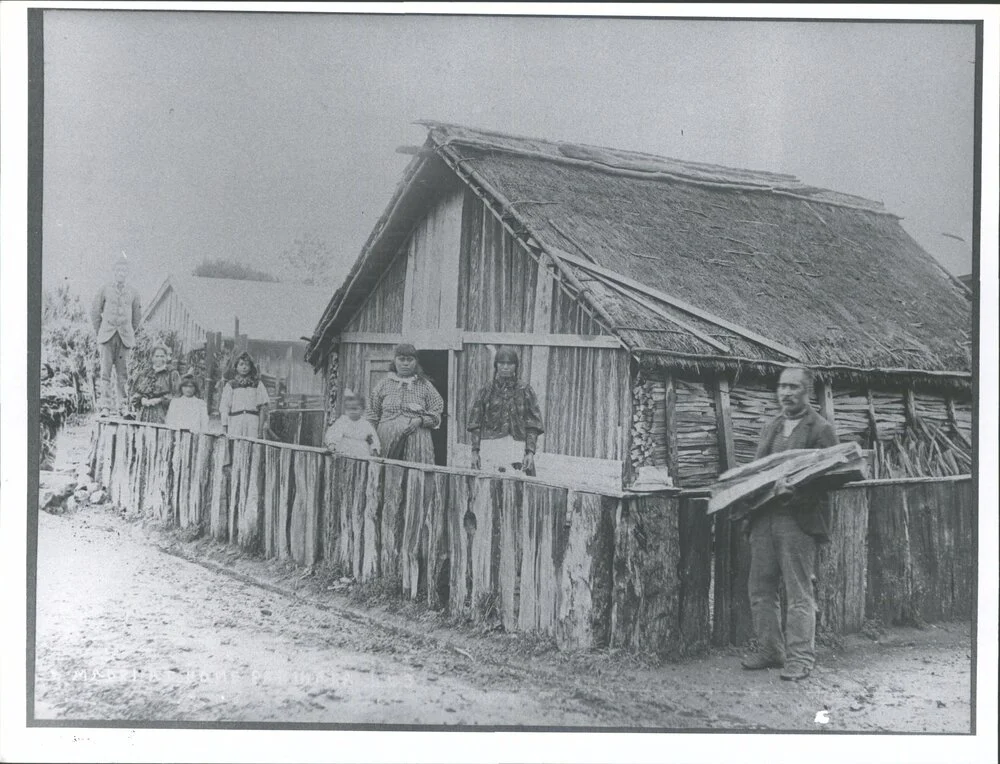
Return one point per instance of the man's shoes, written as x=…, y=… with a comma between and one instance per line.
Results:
x=795, y=672
x=759, y=661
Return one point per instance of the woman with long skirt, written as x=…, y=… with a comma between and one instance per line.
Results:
x=404, y=408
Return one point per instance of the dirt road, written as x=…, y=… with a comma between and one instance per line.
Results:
x=126, y=631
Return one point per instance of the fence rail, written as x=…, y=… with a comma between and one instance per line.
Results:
x=589, y=569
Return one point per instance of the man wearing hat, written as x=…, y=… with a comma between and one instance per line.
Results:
x=116, y=314
x=505, y=420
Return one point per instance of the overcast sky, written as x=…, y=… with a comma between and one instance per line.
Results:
x=177, y=136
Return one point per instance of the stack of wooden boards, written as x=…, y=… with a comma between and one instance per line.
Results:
x=754, y=483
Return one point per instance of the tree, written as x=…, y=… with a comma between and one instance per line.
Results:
x=230, y=269
x=309, y=260
x=69, y=359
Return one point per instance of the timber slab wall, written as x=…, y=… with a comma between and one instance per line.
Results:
x=591, y=570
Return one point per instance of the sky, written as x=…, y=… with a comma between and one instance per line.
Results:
x=180, y=136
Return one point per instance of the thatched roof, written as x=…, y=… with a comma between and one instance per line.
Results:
x=832, y=278
x=268, y=311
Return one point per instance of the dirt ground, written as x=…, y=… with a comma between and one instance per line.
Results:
x=137, y=623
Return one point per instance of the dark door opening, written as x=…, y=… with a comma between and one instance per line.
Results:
x=435, y=366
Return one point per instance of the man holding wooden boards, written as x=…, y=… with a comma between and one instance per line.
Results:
x=784, y=534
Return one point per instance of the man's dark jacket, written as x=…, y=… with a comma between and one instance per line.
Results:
x=811, y=508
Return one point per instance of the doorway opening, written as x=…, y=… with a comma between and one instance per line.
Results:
x=435, y=366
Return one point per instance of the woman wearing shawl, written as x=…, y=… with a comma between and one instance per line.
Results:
x=243, y=407
x=157, y=387
x=505, y=420
x=404, y=408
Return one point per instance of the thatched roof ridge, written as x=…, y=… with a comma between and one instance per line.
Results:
x=831, y=276
x=643, y=165
x=840, y=282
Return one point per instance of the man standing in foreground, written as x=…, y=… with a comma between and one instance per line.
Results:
x=783, y=538
x=116, y=314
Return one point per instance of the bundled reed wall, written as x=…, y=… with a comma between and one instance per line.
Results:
x=697, y=440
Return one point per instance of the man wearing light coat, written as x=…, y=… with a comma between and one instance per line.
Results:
x=116, y=314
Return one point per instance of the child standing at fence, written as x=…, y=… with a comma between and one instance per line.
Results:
x=189, y=412
x=352, y=434
x=243, y=408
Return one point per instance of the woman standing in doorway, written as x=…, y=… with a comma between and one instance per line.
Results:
x=404, y=408
x=243, y=408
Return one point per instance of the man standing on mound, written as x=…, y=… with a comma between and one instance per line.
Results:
x=116, y=314
x=784, y=535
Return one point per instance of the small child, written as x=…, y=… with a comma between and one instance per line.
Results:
x=189, y=412
x=352, y=434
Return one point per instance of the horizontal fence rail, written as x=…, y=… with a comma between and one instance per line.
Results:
x=587, y=569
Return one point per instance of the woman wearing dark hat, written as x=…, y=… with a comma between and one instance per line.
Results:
x=188, y=412
x=244, y=400
x=505, y=420
x=404, y=408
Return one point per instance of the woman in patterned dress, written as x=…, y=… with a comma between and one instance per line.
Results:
x=243, y=407
x=404, y=408
x=157, y=387
x=505, y=420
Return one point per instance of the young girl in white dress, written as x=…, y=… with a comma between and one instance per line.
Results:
x=352, y=434
x=189, y=412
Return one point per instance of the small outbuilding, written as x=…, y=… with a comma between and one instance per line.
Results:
x=273, y=316
x=653, y=302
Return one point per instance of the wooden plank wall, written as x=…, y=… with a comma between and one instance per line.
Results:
x=585, y=569
x=588, y=402
x=382, y=311
x=432, y=272
x=496, y=276
x=352, y=367
x=569, y=317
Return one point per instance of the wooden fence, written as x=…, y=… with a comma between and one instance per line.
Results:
x=900, y=552
x=589, y=569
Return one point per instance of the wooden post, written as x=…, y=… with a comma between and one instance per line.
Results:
x=645, y=610
x=733, y=622
x=695, y=528
x=541, y=324
x=952, y=417
x=826, y=408
x=670, y=425
x=583, y=619
x=872, y=421
x=724, y=425
x=842, y=569
x=911, y=408
x=450, y=412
